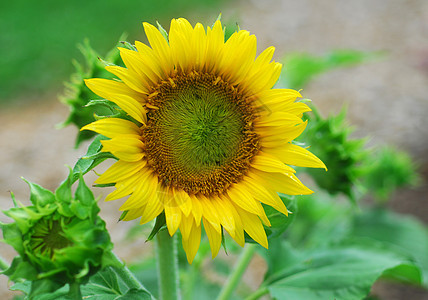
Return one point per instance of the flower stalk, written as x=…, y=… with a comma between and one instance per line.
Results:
x=125, y=274
x=167, y=265
x=236, y=275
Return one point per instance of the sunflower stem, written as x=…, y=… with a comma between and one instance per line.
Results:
x=75, y=293
x=257, y=294
x=125, y=274
x=167, y=264
x=239, y=269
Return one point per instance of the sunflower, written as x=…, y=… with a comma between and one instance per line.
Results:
x=207, y=140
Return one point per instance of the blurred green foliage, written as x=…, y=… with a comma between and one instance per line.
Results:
x=302, y=67
x=387, y=169
x=329, y=138
x=39, y=38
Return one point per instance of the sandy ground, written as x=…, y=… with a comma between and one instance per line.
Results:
x=386, y=99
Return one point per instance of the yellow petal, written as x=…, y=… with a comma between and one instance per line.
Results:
x=199, y=44
x=277, y=136
x=173, y=218
x=160, y=47
x=196, y=209
x=191, y=245
x=273, y=97
x=130, y=78
x=146, y=188
x=277, y=119
x=286, y=183
x=134, y=213
x=183, y=201
x=230, y=219
x=152, y=210
x=241, y=197
x=225, y=213
x=209, y=211
x=267, y=163
x=119, y=171
x=263, y=195
x=214, y=236
x=131, y=104
x=253, y=227
x=265, y=78
x=215, y=44
x=186, y=225
x=125, y=147
x=150, y=61
x=297, y=156
x=123, y=188
x=241, y=50
x=135, y=62
x=112, y=127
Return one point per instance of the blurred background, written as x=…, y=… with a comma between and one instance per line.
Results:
x=386, y=98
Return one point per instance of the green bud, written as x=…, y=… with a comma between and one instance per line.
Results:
x=329, y=140
x=78, y=97
x=59, y=238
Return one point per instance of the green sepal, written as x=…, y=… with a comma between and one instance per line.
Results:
x=128, y=45
x=104, y=102
x=83, y=193
x=223, y=241
x=159, y=225
x=122, y=216
x=39, y=196
x=12, y=236
x=162, y=31
x=63, y=192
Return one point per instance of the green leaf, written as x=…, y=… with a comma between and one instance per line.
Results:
x=46, y=289
x=133, y=294
x=92, y=158
x=40, y=196
x=104, y=282
x=279, y=221
x=402, y=233
x=105, y=285
x=343, y=272
x=160, y=223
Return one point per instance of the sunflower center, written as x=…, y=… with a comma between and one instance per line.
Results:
x=200, y=138
x=47, y=237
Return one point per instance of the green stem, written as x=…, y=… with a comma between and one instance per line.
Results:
x=126, y=275
x=3, y=264
x=74, y=293
x=234, y=277
x=167, y=263
x=257, y=294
